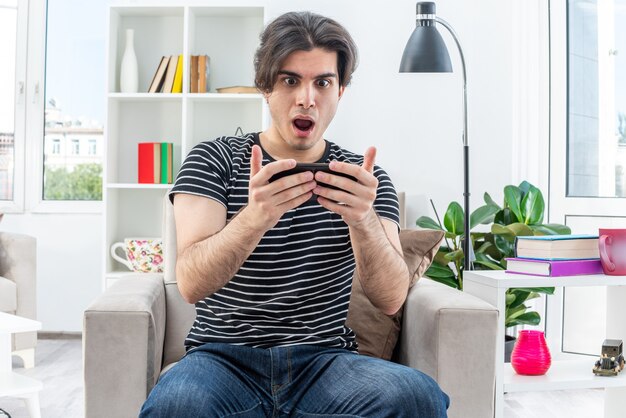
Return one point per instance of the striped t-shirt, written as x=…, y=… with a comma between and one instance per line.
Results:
x=294, y=288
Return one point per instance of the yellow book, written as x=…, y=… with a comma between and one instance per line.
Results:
x=178, y=77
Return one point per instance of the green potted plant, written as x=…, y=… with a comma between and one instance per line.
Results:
x=521, y=214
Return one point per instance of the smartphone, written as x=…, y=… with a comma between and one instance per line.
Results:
x=313, y=167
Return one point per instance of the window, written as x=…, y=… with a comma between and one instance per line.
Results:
x=75, y=147
x=596, y=137
x=91, y=150
x=74, y=105
x=56, y=146
x=8, y=34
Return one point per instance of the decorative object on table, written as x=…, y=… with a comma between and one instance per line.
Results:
x=144, y=255
x=611, y=360
x=530, y=355
x=238, y=89
x=426, y=52
x=128, y=69
x=557, y=247
x=553, y=268
x=612, y=246
x=155, y=162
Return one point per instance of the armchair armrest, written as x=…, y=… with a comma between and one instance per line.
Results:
x=123, y=335
x=18, y=263
x=451, y=336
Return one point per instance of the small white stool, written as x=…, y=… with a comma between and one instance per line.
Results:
x=11, y=383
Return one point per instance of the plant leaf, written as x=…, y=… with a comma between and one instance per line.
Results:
x=533, y=207
x=454, y=255
x=483, y=247
x=505, y=217
x=513, y=199
x=524, y=186
x=529, y=318
x=439, y=271
x=483, y=215
x=489, y=264
x=497, y=229
x=509, y=299
x=427, y=223
x=489, y=200
x=520, y=229
x=520, y=296
x=440, y=257
x=504, y=245
x=453, y=219
x=551, y=229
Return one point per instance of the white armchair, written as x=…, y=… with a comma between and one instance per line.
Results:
x=18, y=296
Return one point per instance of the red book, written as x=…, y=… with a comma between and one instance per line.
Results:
x=553, y=268
x=148, y=162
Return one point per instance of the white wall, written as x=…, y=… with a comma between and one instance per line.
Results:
x=69, y=264
x=414, y=120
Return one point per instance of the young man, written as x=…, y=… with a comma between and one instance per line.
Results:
x=269, y=264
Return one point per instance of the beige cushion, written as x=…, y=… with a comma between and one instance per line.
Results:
x=8, y=295
x=377, y=333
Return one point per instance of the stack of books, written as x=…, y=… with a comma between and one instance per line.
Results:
x=556, y=255
x=168, y=77
x=155, y=162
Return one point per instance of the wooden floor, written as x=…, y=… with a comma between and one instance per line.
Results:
x=59, y=367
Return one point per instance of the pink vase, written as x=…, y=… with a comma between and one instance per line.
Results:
x=530, y=355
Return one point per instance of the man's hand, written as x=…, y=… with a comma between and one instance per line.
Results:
x=356, y=197
x=267, y=202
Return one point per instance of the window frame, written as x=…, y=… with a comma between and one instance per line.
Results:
x=37, y=30
x=16, y=205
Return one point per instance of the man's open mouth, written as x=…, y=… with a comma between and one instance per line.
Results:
x=303, y=126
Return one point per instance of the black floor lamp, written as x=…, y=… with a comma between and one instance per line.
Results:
x=426, y=52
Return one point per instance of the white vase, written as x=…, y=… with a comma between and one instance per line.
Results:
x=128, y=70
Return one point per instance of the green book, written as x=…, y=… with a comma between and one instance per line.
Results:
x=166, y=162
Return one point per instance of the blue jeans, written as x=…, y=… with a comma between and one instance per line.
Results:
x=223, y=380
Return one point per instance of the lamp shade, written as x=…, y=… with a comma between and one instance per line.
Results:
x=425, y=52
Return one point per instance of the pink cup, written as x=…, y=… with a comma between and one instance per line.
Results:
x=613, y=251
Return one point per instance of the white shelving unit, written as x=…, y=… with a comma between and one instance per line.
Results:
x=567, y=371
x=229, y=36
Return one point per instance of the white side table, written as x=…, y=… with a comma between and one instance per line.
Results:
x=13, y=384
x=563, y=374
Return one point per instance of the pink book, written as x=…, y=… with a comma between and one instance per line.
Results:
x=553, y=268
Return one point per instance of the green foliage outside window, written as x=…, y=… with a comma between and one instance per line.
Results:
x=83, y=183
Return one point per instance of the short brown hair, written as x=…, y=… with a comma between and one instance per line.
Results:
x=302, y=31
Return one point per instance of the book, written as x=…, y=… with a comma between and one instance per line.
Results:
x=557, y=247
x=148, y=162
x=237, y=89
x=553, y=268
x=203, y=73
x=166, y=176
x=156, y=168
x=157, y=79
x=169, y=75
x=178, y=76
x=193, y=74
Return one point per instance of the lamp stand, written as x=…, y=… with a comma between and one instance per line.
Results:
x=467, y=247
